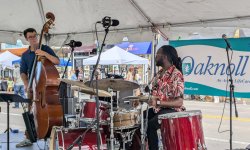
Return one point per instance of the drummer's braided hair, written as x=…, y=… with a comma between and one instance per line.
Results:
x=172, y=55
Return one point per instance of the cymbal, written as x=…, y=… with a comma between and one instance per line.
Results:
x=79, y=86
x=72, y=82
x=115, y=84
x=141, y=98
x=88, y=90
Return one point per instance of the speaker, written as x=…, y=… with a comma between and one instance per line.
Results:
x=68, y=105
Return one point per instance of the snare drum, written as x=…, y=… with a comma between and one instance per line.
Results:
x=88, y=113
x=61, y=138
x=182, y=130
x=126, y=119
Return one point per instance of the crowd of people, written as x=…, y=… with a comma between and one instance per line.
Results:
x=13, y=84
x=132, y=74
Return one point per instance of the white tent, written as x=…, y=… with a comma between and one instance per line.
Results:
x=74, y=19
x=6, y=59
x=116, y=56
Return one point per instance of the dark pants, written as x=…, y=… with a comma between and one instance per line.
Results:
x=153, y=126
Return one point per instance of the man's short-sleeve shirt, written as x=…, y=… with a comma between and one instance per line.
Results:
x=28, y=57
x=168, y=84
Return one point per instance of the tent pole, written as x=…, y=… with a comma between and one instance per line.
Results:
x=154, y=44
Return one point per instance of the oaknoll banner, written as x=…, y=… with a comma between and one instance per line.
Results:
x=205, y=66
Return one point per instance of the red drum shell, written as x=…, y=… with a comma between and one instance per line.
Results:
x=67, y=136
x=88, y=113
x=182, y=131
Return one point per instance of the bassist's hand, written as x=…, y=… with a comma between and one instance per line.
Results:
x=29, y=93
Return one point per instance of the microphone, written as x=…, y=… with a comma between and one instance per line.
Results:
x=73, y=43
x=224, y=36
x=107, y=22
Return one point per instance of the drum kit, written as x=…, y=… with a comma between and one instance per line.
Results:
x=119, y=128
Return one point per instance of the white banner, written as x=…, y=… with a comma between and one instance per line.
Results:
x=205, y=66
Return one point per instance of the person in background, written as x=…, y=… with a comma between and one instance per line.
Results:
x=18, y=84
x=80, y=74
x=73, y=75
x=10, y=84
x=130, y=76
x=137, y=77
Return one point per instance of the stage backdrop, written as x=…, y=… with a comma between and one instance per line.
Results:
x=205, y=66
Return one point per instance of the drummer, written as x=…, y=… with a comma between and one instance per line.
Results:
x=168, y=87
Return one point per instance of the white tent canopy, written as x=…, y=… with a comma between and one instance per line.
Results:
x=6, y=59
x=116, y=56
x=74, y=19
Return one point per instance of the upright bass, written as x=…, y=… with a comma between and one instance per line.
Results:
x=43, y=91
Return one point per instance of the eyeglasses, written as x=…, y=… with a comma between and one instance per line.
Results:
x=32, y=37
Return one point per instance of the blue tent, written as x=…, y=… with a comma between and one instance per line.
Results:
x=63, y=62
x=18, y=61
x=137, y=48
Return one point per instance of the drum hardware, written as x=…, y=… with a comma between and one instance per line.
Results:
x=143, y=133
x=111, y=120
x=72, y=123
x=127, y=136
x=199, y=146
x=77, y=108
x=142, y=99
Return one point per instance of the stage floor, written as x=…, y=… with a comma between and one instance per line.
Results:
x=16, y=138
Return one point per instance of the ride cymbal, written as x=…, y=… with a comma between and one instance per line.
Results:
x=115, y=84
x=79, y=86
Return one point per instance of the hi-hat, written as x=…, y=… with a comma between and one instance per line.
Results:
x=79, y=86
x=115, y=84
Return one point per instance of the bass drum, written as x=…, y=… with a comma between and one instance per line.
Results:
x=61, y=139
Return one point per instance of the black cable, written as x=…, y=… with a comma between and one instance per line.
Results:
x=65, y=69
x=78, y=140
x=226, y=94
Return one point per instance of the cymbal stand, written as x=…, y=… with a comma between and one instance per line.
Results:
x=143, y=131
x=78, y=113
x=127, y=136
x=111, y=120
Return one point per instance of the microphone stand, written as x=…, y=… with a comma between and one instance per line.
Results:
x=90, y=83
x=231, y=96
x=78, y=141
x=72, y=50
x=64, y=103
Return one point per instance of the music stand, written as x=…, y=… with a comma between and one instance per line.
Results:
x=8, y=98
